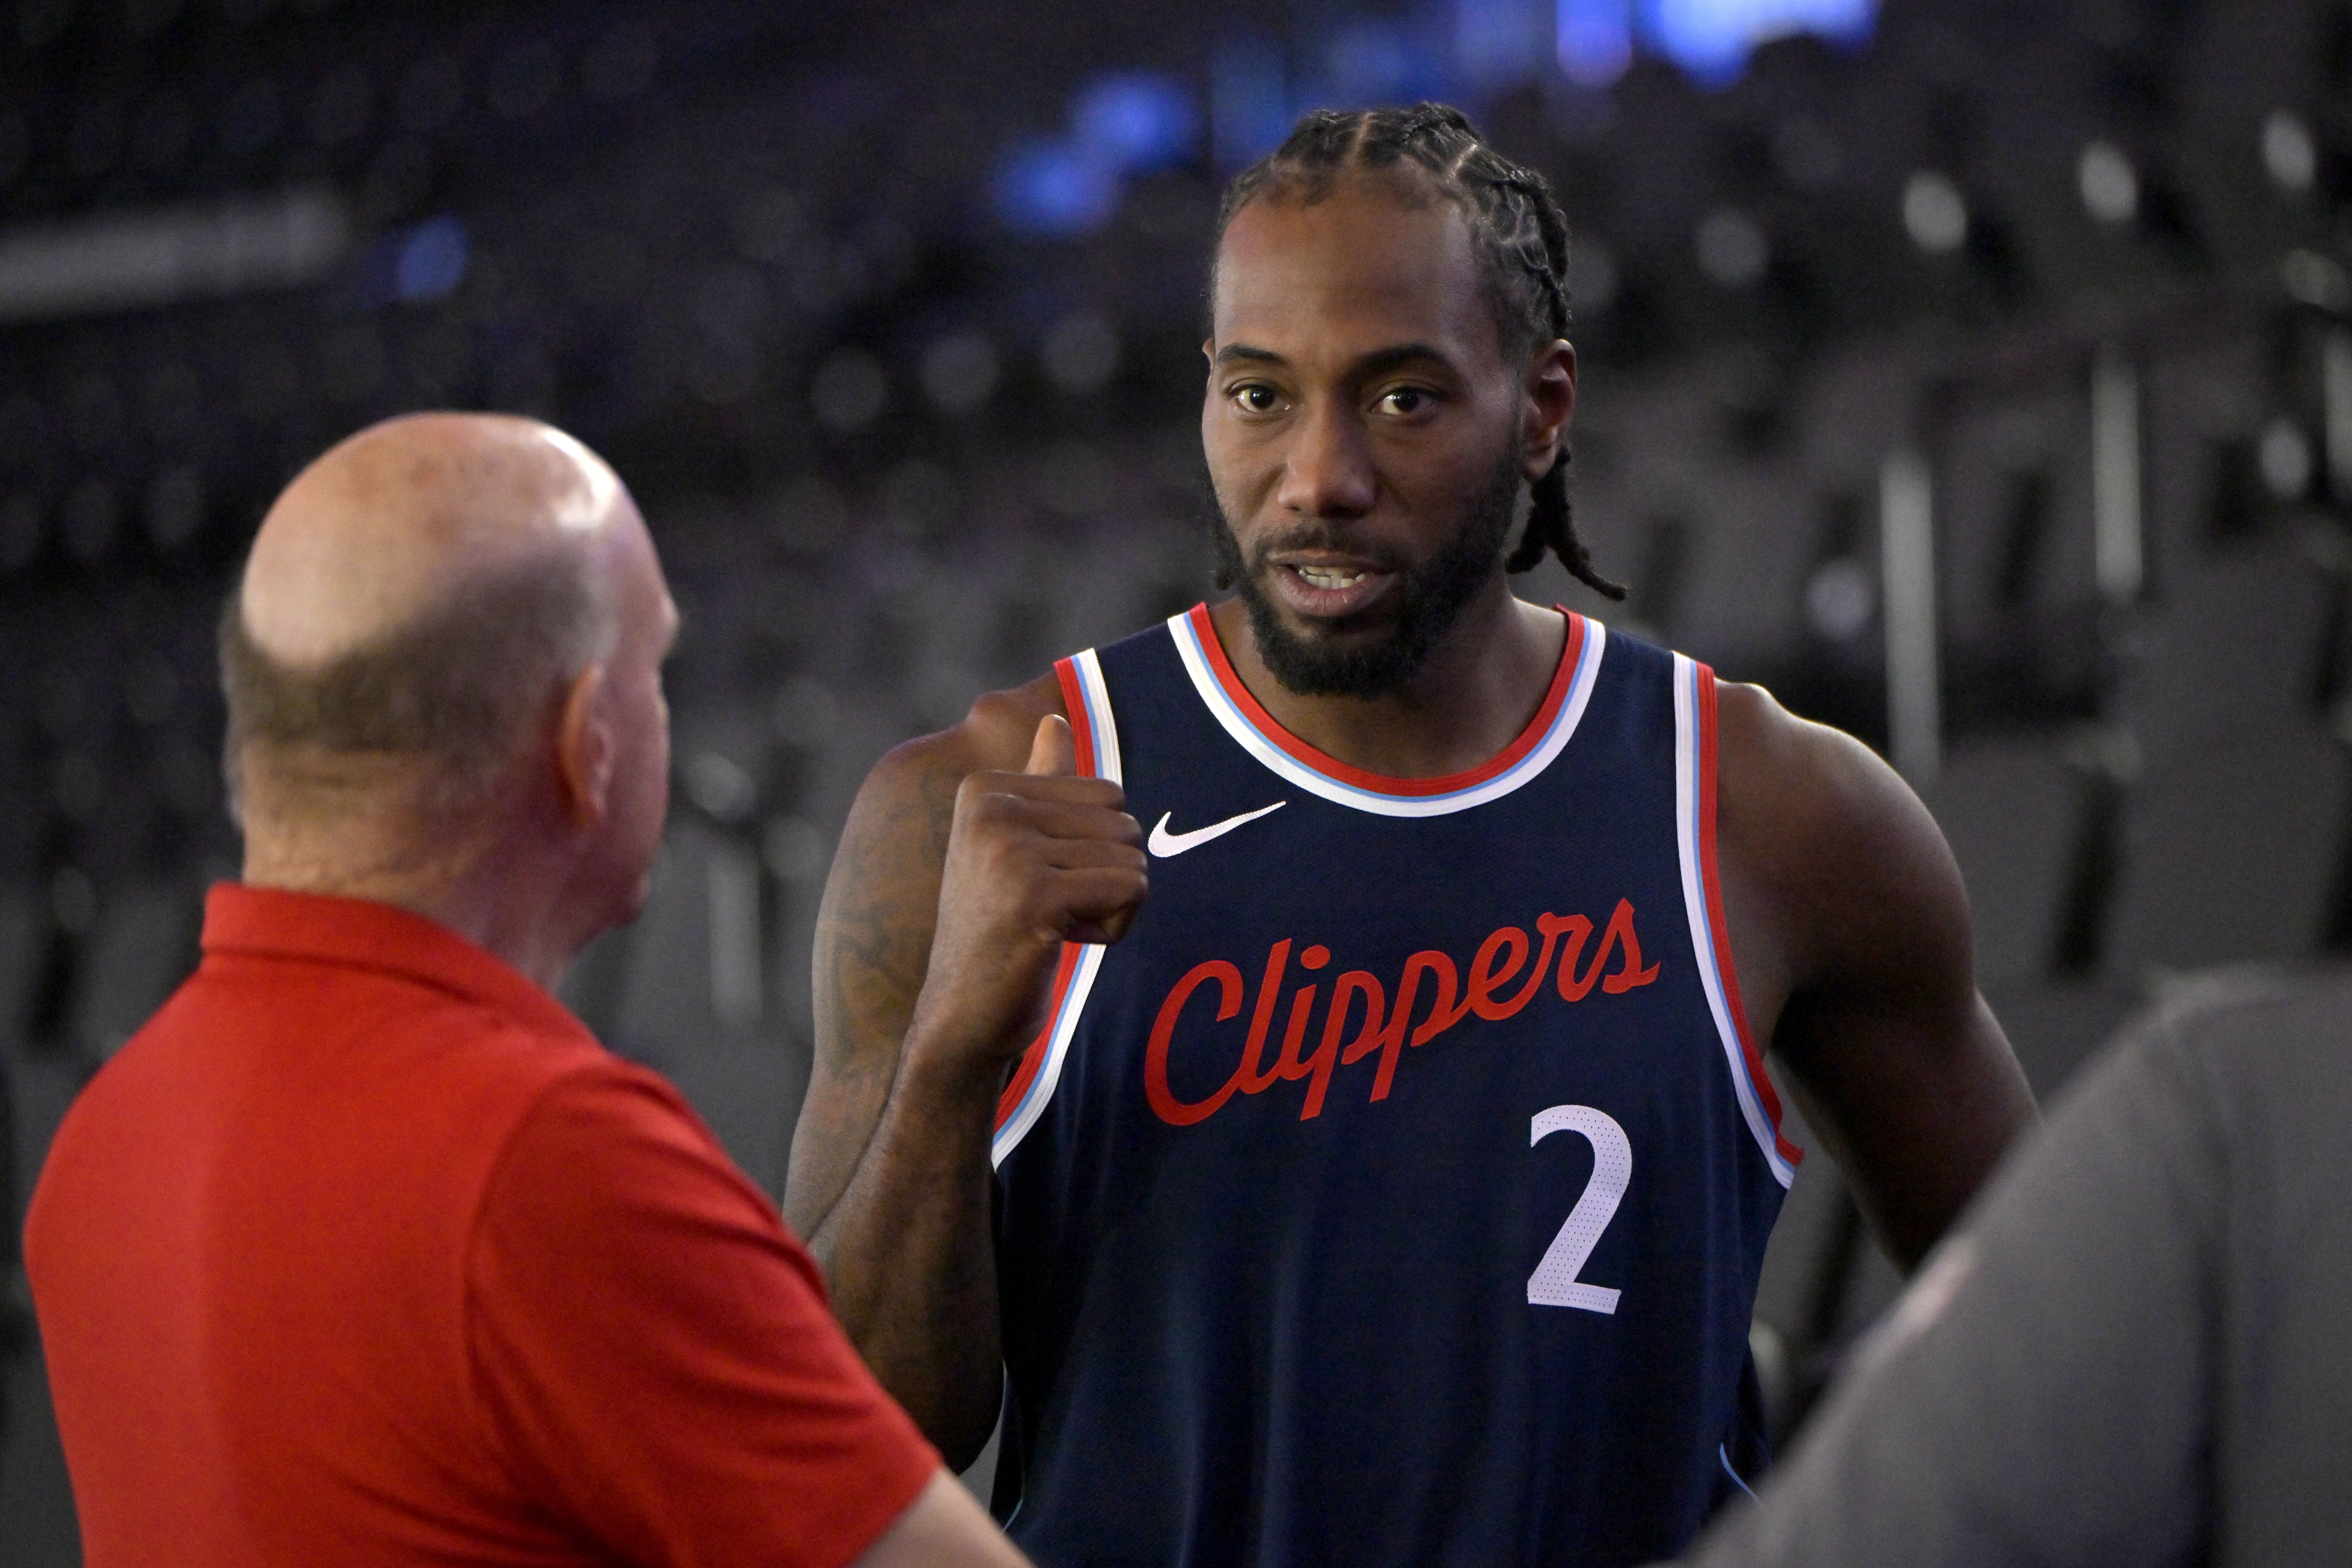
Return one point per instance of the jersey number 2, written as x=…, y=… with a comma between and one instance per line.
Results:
x=1554, y=1282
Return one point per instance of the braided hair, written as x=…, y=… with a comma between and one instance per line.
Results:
x=1517, y=232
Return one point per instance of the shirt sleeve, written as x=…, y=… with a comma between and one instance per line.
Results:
x=653, y=1351
x=2041, y=1394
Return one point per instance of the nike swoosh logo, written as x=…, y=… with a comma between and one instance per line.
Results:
x=1164, y=844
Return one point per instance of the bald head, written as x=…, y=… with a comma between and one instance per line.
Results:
x=414, y=608
x=404, y=518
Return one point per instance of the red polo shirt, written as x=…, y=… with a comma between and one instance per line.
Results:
x=365, y=1252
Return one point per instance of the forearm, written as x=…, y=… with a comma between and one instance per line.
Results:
x=909, y=1253
x=932, y=969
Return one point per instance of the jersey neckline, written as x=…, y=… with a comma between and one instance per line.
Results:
x=1301, y=763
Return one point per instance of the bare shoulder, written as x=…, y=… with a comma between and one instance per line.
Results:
x=1804, y=777
x=1856, y=905
x=1832, y=835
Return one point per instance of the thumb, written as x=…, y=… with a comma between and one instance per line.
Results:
x=1053, y=750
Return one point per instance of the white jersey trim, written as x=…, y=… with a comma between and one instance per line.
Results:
x=1281, y=762
x=1072, y=1003
x=1688, y=760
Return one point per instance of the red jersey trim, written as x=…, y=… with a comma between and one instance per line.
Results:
x=1717, y=926
x=1266, y=724
x=1074, y=701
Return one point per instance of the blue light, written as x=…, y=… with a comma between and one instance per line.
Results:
x=431, y=261
x=1499, y=43
x=1711, y=39
x=1055, y=188
x=1249, y=103
x=1596, y=40
x=1373, y=63
x=1135, y=119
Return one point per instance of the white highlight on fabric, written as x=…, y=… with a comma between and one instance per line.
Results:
x=1259, y=745
x=1167, y=845
x=1686, y=843
x=1104, y=729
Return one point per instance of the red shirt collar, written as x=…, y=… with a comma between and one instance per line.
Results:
x=271, y=922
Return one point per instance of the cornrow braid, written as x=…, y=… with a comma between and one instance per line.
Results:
x=1518, y=233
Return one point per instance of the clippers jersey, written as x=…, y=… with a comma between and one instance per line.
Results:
x=1395, y=1193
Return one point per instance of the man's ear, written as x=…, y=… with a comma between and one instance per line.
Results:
x=584, y=749
x=1549, y=402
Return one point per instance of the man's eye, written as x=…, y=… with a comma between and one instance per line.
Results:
x=1404, y=400
x=1255, y=399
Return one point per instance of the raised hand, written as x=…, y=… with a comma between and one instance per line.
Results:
x=1035, y=859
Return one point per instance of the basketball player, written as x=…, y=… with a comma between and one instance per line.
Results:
x=1388, y=1186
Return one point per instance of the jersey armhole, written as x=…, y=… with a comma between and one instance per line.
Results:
x=1695, y=803
x=1095, y=737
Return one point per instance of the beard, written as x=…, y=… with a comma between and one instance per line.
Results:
x=1429, y=598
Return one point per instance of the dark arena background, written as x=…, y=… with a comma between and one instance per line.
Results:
x=1975, y=374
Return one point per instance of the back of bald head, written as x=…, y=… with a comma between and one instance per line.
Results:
x=413, y=610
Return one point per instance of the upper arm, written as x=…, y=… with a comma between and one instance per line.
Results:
x=654, y=1354
x=874, y=928
x=1856, y=915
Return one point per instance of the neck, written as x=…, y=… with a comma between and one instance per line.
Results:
x=1479, y=688
x=482, y=885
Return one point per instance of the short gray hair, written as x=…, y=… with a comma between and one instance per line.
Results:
x=461, y=686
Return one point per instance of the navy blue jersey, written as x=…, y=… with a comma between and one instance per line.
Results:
x=1395, y=1193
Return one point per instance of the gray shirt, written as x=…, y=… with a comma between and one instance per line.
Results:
x=2137, y=1347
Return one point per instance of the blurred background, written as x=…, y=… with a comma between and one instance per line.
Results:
x=1975, y=374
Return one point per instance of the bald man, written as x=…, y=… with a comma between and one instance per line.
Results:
x=363, y=1251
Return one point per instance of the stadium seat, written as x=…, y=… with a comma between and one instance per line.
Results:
x=2012, y=812
x=36, y=1501
x=145, y=944
x=2230, y=852
x=2238, y=644
x=2055, y=1025
x=694, y=1004
x=23, y=926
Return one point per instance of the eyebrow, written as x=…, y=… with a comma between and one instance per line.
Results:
x=1373, y=364
x=1242, y=353
x=1396, y=358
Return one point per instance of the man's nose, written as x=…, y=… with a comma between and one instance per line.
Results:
x=1328, y=471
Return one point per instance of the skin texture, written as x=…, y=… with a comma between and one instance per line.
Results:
x=378, y=533
x=1359, y=394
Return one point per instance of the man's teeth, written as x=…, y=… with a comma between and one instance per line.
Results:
x=1331, y=576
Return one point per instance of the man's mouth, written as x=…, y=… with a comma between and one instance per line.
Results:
x=1328, y=590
